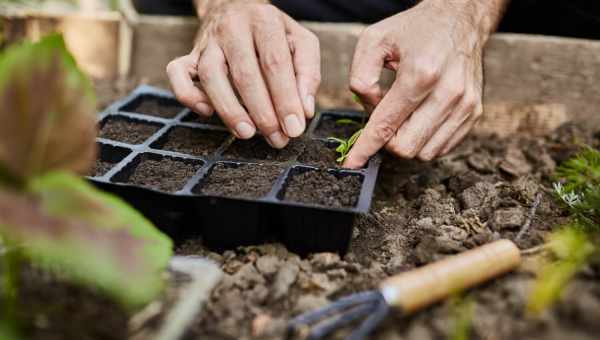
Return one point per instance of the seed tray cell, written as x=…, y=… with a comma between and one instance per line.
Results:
x=192, y=178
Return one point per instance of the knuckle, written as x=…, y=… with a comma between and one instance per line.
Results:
x=426, y=74
x=357, y=85
x=242, y=77
x=205, y=71
x=372, y=34
x=454, y=93
x=272, y=61
x=384, y=132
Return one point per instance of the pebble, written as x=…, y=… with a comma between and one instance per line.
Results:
x=267, y=265
x=324, y=261
x=286, y=276
x=509, y=218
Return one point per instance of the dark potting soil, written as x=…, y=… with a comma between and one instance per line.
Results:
x=244, y=181
x=165, y=174
x=317, y=153
x=126, y=131
x=100, y=168
x=194, y=141
x=52, y=309
x=193, y=117
x=329, y=128
x=165, y=108
x=324, y=188
x=257, y=148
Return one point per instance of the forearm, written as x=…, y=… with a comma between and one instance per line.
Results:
x=204, y=7
x=484, y=15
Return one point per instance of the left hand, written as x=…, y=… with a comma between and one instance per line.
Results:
x=435, y=48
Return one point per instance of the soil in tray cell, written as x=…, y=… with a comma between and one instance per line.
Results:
x=323, y=188
x=319, y=154
x=164, y=174
x=100, y=168
x=329, y=127
x=154, y=106
x=191, y=141
x=193, y=117
x=127, y=131
x=240, y=181
x=258, y=148
x=108, y=157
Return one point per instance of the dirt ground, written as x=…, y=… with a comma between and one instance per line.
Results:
x=421, y=213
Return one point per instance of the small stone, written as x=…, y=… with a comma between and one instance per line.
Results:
x=509, y=218
x=248, y=277
x=310, y=302
x=515, y=163
x=482, y=161
x=267, y=265
x=395, y=264
x=337, y=273
x=259, y=324
x=286, y=276
x=480, y=194
x=454, y=233
x=323, y=261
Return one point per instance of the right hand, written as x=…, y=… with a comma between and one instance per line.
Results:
x=270, y=60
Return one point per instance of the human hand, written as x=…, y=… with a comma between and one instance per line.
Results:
x=265, y=56
x=435, y=48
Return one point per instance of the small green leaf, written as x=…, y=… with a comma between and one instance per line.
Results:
x=352, y=140
x=356, y=98
x=347, y=121
x=92, y=237
x=572, y=249
x=47, y=116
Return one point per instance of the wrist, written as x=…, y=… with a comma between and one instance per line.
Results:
x=484, y=16
x=207, y=7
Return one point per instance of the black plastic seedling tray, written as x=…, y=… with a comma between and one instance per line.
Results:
x=222, y=221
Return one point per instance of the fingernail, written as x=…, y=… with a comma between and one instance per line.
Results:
x=244, y=130
x=278, y=140
x=203, y=109
x=293, y=126
x=310, y=106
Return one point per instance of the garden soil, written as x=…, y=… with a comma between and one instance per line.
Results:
x=422, y=212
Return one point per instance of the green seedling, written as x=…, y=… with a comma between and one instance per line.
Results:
x=345, y=145
x=575, y=244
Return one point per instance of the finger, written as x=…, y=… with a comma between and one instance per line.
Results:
x=449, y=128
x=180, y=72
x=212, y=73
x=276, y=63
x=462, y=132
x=401, y=100
x=416, y=131
x=367, y=65
x=306, y=54
x=238, y=47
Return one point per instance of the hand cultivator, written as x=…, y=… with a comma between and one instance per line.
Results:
x=411, y=291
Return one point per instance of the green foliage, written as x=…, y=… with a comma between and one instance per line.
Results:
x=571, y=248
x=345, y=145
x=48, y=215
x=463, y=310
x=578, y=188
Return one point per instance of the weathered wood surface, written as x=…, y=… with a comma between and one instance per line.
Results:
x=532, y=83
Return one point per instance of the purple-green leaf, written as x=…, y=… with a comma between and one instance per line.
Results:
x=63, y=223
x=47, y=116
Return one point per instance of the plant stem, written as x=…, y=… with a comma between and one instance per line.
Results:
x=11, y=275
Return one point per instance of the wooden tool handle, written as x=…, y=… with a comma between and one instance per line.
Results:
x=419, y=288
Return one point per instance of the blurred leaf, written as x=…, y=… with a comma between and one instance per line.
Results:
x=348, y=121
x=47, y=116
x=94, y=238
x=572, y=248
x=463, y=310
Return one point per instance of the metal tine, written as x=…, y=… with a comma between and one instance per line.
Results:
x=350, y=300
x=329, y=325
x=381, y=310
